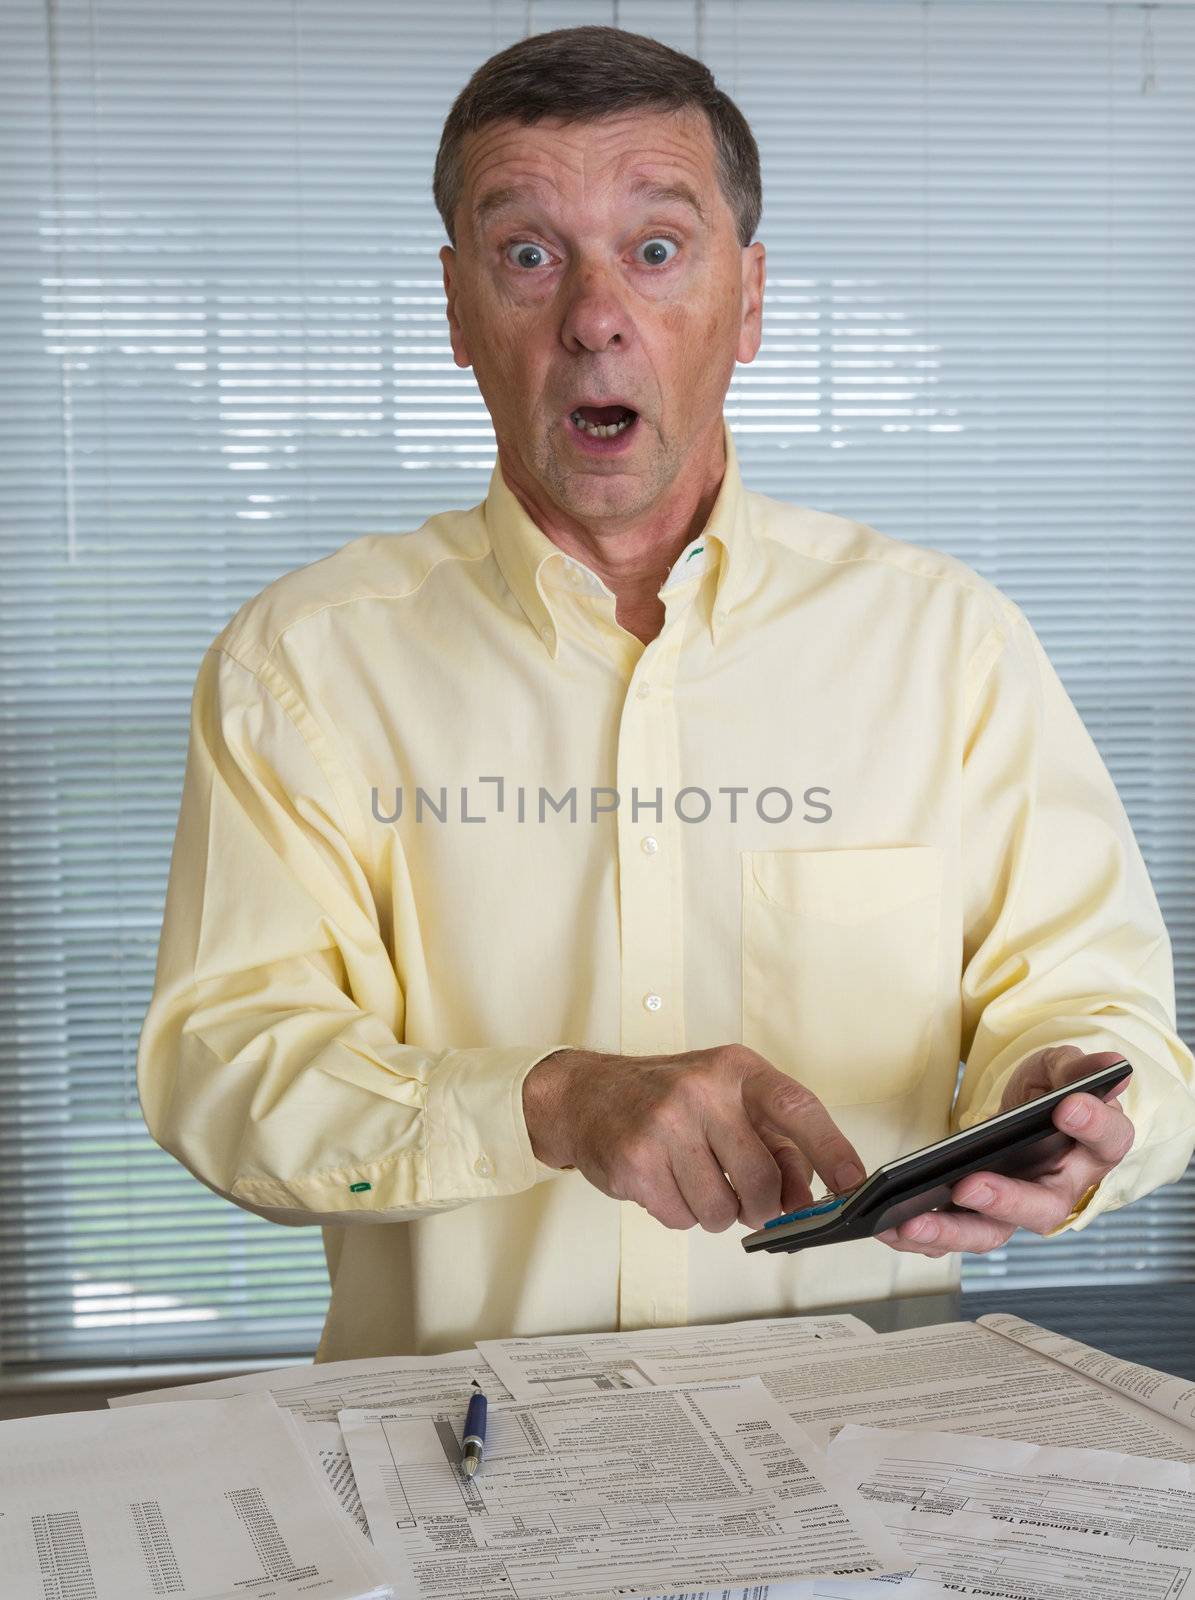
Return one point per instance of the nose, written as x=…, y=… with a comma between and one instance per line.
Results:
x=595, y=315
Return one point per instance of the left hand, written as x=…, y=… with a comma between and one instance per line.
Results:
x=1002, y=1205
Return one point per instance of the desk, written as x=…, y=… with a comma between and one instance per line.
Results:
x=1153, y=1323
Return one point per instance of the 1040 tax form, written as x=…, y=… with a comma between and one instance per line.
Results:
x=608, y=1496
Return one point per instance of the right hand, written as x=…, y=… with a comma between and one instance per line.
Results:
x=708, y=1136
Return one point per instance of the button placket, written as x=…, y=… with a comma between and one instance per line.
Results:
x=653, y=1259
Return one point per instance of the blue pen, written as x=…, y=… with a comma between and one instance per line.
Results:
x=473, y=1443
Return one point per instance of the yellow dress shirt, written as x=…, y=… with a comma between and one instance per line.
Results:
x=841, y=809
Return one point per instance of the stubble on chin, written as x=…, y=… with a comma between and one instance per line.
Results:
x=585, y=493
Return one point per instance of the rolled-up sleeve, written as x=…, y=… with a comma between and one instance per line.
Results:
x=1064, y=941
x=270, y=1061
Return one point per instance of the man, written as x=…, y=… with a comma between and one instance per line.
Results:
x=820, y=825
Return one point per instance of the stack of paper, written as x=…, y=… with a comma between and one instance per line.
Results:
x=209, y=1501
x=690, y=1491
x=797, y=1459
x=1005, y=1460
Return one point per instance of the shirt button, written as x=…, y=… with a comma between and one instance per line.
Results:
x=643, y=690
x=546, y=634
x=652, y=1002
x=483, y=1167
x=574, y=575
x=649, y=845
x=720, y=615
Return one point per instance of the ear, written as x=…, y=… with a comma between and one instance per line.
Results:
x=460, y=350
x=751, y=329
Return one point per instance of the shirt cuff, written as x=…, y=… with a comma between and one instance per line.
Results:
x=1068, y=1221
x=477, y=1140
x=476, y=1146
x=1159, y=1104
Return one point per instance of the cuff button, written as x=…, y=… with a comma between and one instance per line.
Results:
x=483, y=1167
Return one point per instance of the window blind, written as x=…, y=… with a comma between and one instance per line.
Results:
x=226, y=355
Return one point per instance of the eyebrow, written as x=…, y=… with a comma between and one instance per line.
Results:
x=495, y=200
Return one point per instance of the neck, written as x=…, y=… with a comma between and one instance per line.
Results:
x=632, y=555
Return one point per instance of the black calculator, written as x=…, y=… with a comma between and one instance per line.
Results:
x=1021, y=1143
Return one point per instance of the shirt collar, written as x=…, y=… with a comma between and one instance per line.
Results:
x=521, y=549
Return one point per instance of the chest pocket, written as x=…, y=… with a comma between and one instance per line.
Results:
x=840, y=965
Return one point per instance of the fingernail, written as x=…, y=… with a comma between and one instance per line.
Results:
x=926, y=1230
x=848, y=1175
x=981, y=1195
x=1076, y=1115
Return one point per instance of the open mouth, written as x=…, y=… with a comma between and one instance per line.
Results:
x=603, y=422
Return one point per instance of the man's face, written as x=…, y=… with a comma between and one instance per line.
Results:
x=585, y=288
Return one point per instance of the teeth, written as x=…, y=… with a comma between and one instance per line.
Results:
x=597, y=430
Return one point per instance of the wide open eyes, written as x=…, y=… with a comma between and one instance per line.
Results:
x=528, y=255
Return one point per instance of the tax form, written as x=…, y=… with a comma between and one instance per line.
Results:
x=610, y=1495
x=212, y=1501
x=957, y=1376
x=999, y=1518
x=314, y=1394
x=1160, y=1391
x=586, y=1363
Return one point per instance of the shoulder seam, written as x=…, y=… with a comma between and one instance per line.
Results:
x=849, y=561
x=999, y=608
x=332, y=605
x=287, y=711
x=994, y=640
x=976, y=676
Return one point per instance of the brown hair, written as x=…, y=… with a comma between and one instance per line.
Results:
x=589, y=72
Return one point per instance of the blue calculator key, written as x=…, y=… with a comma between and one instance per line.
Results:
x=809, y=1211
